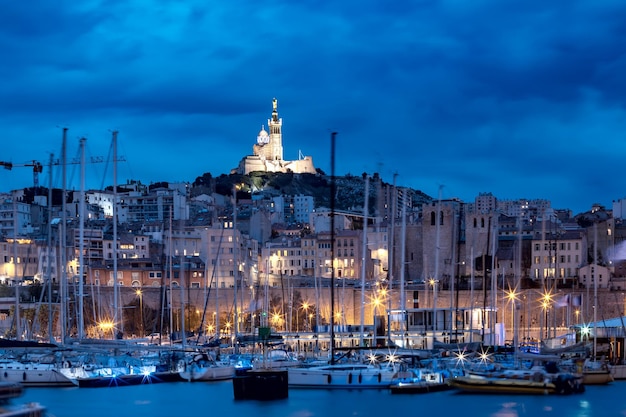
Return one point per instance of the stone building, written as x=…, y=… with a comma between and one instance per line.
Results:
x=267, y=153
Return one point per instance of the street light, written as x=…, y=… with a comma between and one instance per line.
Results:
x=434, y=282
x=106, y=326
x=377, y=300
x=512, y=296
x=305, y=307
x=546, y=301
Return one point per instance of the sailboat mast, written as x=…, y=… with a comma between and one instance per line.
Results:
x=49, y=252
x=332, y=247
x=170, y=313
x=81, y=233
x=595, y=288
x=471, y=318
x=402, y=260
x=181, y=272
x=62, y=240
x=493, y=277
x=391, y=255
x=363, y=258
x=517, y=289
x=438, y=220
x=16, y=281
x=236, y=268
x=115, y=283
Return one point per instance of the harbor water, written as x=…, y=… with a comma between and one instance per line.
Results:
x=216, y=398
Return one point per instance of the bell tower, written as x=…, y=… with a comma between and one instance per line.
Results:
x=276, y=136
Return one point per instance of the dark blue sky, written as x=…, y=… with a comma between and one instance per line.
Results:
x=518, y=98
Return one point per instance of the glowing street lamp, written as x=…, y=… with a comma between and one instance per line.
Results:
x=305, y=308
x=545, y=305
x=276, y=319
x=512, y=296
x=105, y=326
x=433, y=282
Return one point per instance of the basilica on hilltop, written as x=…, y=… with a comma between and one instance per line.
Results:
x=268, y=151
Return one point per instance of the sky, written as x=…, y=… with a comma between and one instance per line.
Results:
x=523, y=99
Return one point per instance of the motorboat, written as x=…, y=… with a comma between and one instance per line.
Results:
x=535, y=380
x=420, y=381
x=203, y=367
x=342, y=375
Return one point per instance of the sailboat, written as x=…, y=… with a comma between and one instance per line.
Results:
x=594, y=372
x=336, y=373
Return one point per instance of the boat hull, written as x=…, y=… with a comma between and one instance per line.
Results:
x=208, y=373
x=618, y=372
x=129, y=379
x=600, y=377
x=501, y=386
x=340, y=376
x=421, y=387
x=33, y=375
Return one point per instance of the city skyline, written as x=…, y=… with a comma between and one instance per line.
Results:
x=523, y=99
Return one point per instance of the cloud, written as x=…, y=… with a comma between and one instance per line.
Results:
x=520, y=98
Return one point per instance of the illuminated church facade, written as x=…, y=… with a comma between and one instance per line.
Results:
x=267, y=153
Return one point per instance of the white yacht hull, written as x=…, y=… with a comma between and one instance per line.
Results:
x=208, y=373
x=340, y=376
x=32, y=374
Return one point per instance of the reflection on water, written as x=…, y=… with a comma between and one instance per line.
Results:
x=508, y=410
x=216, y=398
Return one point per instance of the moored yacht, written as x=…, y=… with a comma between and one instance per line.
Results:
x=342, y=375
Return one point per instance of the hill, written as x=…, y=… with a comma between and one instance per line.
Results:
x=349, y=196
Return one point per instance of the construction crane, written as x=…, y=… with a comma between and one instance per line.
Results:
x=37, y=169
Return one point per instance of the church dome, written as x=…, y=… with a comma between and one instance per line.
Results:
x=263, y=137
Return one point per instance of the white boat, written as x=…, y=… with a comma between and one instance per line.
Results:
x=596, y=373
x=202, y=367
x=341, y=375
x=33, y=374
x=592, y=372
x=419, y=380
x=275, y=358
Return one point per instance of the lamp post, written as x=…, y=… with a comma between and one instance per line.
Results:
x=305, y=307
x=376, y=301
x=433, y=282
x=512, y=297
x=545, y=305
